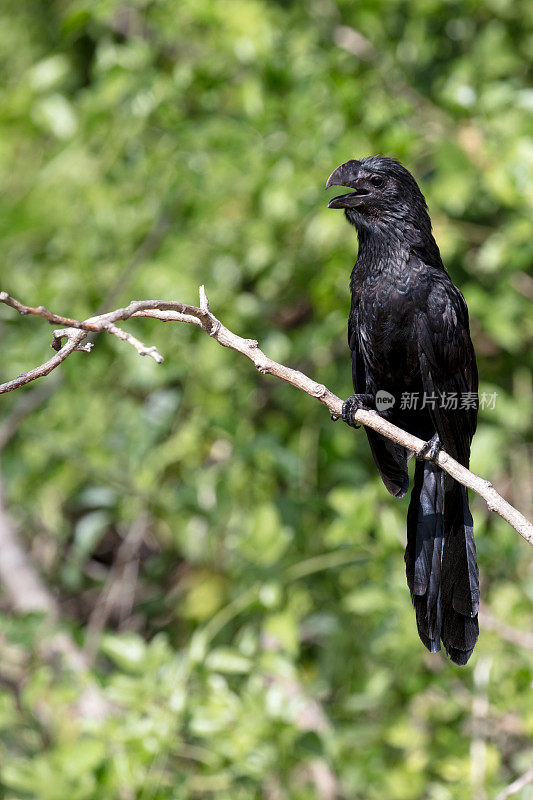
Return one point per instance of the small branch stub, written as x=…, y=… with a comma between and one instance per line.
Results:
x=204, y=302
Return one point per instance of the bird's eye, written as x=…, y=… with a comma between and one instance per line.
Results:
x=376, y=181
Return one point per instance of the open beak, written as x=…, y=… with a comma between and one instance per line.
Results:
x=346, y=175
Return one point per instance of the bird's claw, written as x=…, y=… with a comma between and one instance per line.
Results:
x=430, y=450
x=352, y=405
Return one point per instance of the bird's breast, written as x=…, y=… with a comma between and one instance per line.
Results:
x=388, y=324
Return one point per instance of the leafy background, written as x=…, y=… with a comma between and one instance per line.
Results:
x=224, y=555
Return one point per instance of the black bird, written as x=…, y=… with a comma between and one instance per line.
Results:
x=409, y=336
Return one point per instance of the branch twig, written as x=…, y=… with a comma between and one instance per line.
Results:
x=517, y=785
x=174, y=311
x=506, y=632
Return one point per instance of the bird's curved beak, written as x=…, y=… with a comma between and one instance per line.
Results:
x=346, y=175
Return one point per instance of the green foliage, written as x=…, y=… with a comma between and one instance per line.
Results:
x=150, y=147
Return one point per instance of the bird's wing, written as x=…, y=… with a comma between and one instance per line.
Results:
x=448, y=365
x=448, y=368
x=358, y=366
x=390, y=458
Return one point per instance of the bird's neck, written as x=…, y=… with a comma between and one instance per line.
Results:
x=379, y=251
x=388, y=244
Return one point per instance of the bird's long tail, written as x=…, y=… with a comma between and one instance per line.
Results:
x=441, y=566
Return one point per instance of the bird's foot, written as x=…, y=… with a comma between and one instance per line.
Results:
x=430, y=450
x=353, y=404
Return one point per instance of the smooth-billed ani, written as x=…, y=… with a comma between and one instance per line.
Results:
x=409, y=336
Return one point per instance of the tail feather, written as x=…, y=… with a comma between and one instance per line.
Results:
x=459, y=635
x=460, y=576
x=441, y=564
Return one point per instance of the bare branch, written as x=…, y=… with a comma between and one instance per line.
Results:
x=73, y=341
x=168, y=310
x=43, y=312
x=517, y=785
x=22, y=583
x=119, y=589
x=503, y=630
x=480, y=712
x=27, y=592
x=138, y=345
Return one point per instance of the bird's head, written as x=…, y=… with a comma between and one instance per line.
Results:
x=384, y=197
